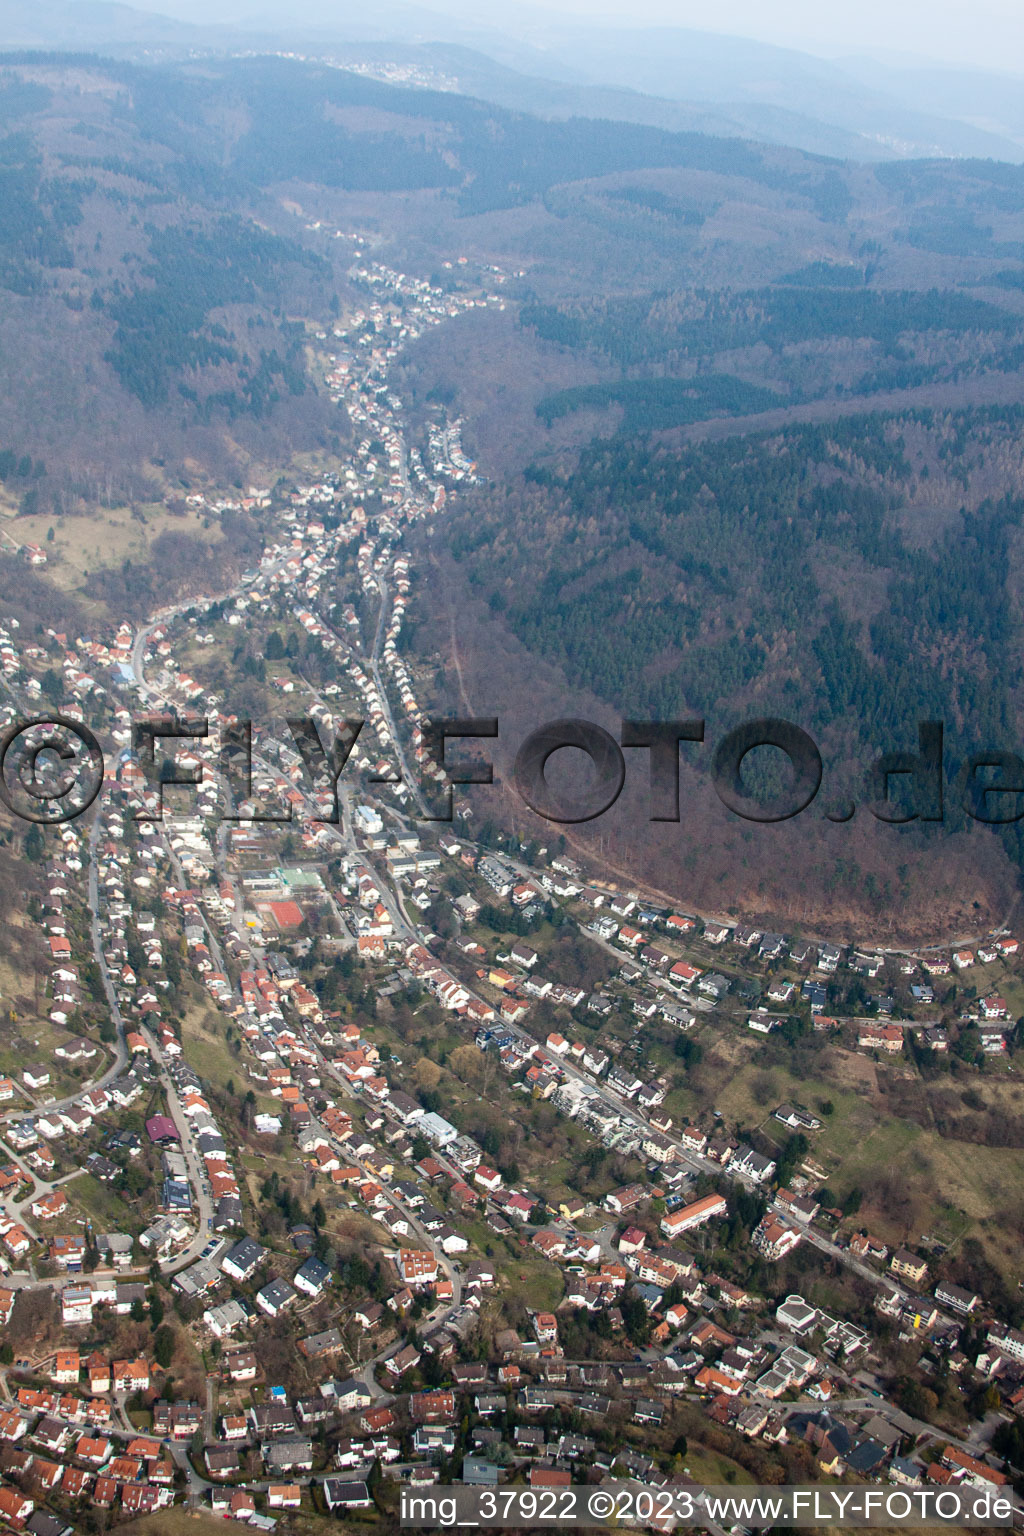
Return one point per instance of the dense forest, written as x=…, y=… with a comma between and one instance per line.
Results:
x=773, y=575
x=790, y=336
x=653, y=403
x=502, y=158
x=36, y=211
x=654, y=327
x=165, y=328
x=146, y=296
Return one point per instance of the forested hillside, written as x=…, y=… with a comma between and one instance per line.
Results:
x=854, y=578
x=145, y=322
x=710, y=557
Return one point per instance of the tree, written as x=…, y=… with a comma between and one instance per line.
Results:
x=468, y=1062
x=52, y=685
x=490, y=1141
x=636, y=1319
x=427, y=1074
x=163, y=1346
x=433, y=1370
x=920, y=1402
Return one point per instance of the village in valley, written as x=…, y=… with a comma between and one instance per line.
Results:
x=345, y=1149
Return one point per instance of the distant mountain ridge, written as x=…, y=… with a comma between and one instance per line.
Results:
x=663, y=77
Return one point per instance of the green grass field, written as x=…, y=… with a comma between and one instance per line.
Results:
x=103, y=1206
x=531, y=1279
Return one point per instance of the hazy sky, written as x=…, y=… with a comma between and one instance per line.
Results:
x=975, y=33
x=989, y=33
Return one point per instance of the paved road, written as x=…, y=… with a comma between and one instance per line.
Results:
x=210, y=1414
x=410, y=779
x=121, y=1052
